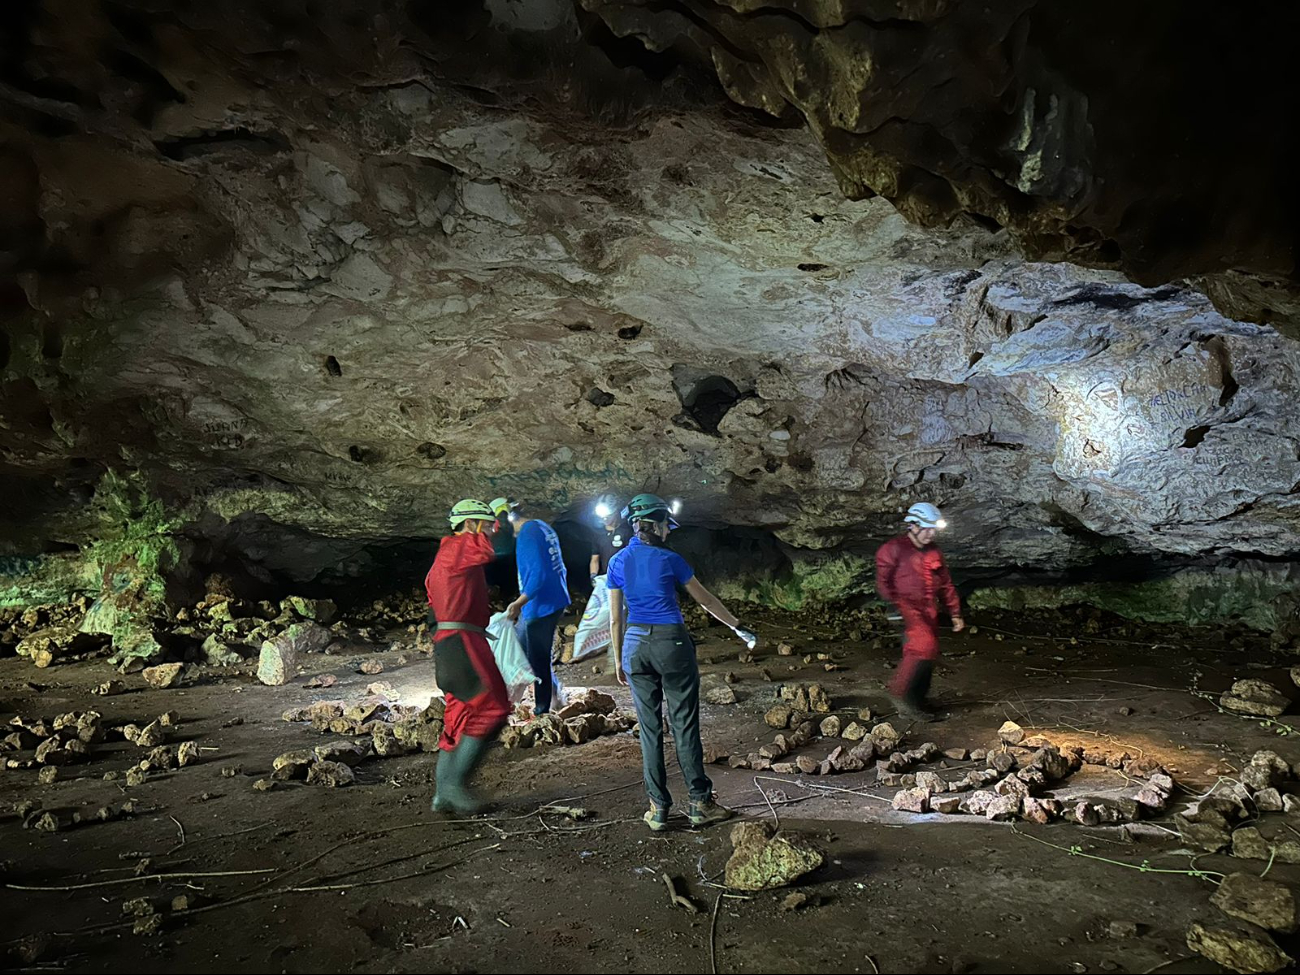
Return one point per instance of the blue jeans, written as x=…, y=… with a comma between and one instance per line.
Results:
x=538, y=639
x=661, y=668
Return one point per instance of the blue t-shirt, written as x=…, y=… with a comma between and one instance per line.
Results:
x=542, y=575
x=649, y=577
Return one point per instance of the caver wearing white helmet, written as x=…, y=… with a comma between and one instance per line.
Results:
x=911, y=574
x=925, y=515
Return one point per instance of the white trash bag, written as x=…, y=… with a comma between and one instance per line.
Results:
x=593, y=631
x=509, y=654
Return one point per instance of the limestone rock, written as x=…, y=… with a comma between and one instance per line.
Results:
x=830, y=727
x=778, y=716
x=948, y=804
x=912, y=800
x=854, y=732
x=322, y=611
x=1249, y=843
x=1237, y=946
x=1011, y=733
x=163, y=675
x=330, y=774
x=720, y=694
x=187, y=753
x=818, y=702
x=1261, y=902
x=956, y=754
x=1003, y=808
x=1040, y=811
x=351, y=753
x=1254, y=696
x=218, y=653
x=930, y=783
x=977, y=803
x=279, y=660
x=293, y=764
x=764, y=860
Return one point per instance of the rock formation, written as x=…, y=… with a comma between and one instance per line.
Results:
x=317, y=274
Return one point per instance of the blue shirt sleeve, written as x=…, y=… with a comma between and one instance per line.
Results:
x=682, y=571
x=532, y=559
x=614, y=578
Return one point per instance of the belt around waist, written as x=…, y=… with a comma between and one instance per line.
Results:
x=462, y=626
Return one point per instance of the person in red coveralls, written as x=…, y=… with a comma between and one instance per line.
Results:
x=477, y=701
x=910, y=573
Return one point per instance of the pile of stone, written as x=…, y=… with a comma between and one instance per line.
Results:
x=329, y=765
x=1254, y=697
x=367, y=717
x=1233, y=817
x=20, y=624
x=1242, y=941
x=585, y=717
x=65, y=740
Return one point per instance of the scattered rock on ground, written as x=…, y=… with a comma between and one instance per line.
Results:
x=778, y=716
x=1011, y=733
x=1237, y=946
x=279, y=659
x=330, y=774
x=371, y=667
x=831, y=726
x=1261, y=902
x=163, y=675
x=764, y=860
x=1255, y=697
x=912, y=800
x=720, y=694
x=187, y=754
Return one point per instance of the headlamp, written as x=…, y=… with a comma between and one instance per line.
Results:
x=603, y=510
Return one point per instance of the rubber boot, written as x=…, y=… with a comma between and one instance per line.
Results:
x=449, y=778
x=454, y=794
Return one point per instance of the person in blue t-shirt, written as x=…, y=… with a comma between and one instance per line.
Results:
x=543, y=596
x=654, y=653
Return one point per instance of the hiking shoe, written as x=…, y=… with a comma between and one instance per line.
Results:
x=656, y=817
x=708, y=812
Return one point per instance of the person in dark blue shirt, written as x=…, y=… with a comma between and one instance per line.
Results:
x=655, y=655
x=543, y=596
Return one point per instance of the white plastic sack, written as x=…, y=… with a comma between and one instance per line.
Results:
x=593, y=631
x=509, y=654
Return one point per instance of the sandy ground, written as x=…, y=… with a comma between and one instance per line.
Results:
x=365, y=879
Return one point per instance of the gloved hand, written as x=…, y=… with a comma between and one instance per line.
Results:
x=749, y=637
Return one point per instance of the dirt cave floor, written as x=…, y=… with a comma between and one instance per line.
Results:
x=366, y=879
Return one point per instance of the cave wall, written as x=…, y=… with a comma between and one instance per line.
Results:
x=319, y=271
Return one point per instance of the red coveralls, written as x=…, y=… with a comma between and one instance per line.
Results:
x=911, y=578
x=477, y=701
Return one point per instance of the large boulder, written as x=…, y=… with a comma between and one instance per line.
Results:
x=278, y=663
x=763, y=859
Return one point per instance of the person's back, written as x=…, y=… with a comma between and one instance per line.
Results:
x=649, y=576
x=542, y=574
x=543, y=596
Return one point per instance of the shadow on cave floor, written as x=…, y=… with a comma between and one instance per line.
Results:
x=523, y=893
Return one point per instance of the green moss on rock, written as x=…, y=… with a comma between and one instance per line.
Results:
x=1251, y=593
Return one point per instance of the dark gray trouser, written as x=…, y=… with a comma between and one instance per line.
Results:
x=660, y=665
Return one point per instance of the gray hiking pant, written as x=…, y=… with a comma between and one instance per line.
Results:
x=661, y=668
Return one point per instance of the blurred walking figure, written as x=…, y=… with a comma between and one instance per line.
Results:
x=911, y=574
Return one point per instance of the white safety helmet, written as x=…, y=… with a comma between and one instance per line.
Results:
x=925, y=515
